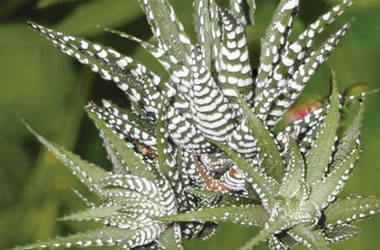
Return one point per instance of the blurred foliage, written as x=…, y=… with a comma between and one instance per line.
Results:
x=49, y=90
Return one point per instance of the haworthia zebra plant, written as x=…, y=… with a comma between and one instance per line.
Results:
x=200, y=148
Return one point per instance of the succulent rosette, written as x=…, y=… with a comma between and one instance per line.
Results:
x=205, y=147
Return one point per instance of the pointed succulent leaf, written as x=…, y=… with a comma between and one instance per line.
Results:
x=184, y=133
x=310, y=237
x=342, y=232
x=121, y=151
x=351, y=209
x=274, y=41
x=275, y=244
x=124, y=196
x=207, y=28
x=269, y=149
x=167, y=28
x=263, y=184
x=305, y=129
x=131, y=77
x=292, y=87
x=209, y=230
x=95, y=214
x=243, y=11
x=317, y=159
x=142, y=236
x=251, y=215
x=88, y=173
x=294, y=54
x=171, y=238
x=350, y=137
x=295, y=171
x=107, y=236
x=281, y=241
x=234, y=72
x=325, y=191
x=225, y=199
x=133, y=183
x=129, y=124
x=304, y=71
x=294, y=215
x=128, y=128
x=165, y=153
x=300, y=49
x=263, y=235
x=179, y=78
x=211, y=111
x=242, y=141
x=147, y=46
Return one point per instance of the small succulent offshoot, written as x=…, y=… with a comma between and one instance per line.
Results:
x=201, y=148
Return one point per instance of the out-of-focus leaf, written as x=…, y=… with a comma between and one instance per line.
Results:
x=8, y=7
x=48, y=3
x=34, y=77
x=85, y=19
x=26, y=219
x=11, y=178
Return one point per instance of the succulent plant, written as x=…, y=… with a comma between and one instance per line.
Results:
x=204, y=147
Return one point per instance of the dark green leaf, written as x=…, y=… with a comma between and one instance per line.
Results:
x=269, y=150
x=317, y=159
x=87, y=16
x=48, y=3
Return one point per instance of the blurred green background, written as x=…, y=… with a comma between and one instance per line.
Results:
x=49, y=89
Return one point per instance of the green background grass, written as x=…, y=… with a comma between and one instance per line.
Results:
x=49, y=89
